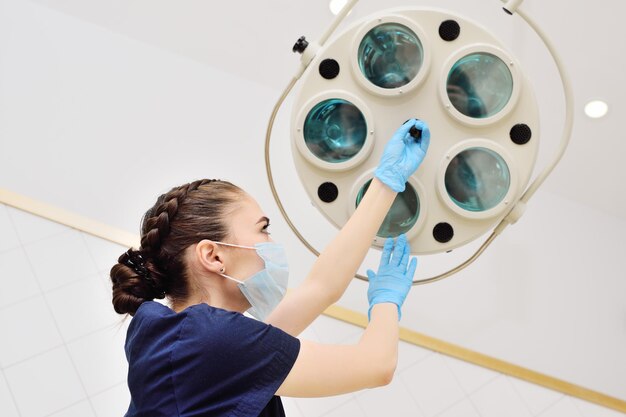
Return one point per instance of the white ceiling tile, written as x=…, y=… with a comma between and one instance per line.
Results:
x=290, y=406
x=351, y=408
x=497, y=399
x=7, y=406
x=60, y=259
x=104, y=253
x=16, y=278
x=82, y=409
x=112, y=402
x=45, y=384
x=393, y=398
x=9, y=239
x=87, y=297
x=470, y=376
x=32, y=228
x=433, y=387
x=562, y=408
x=317, y=407
x=536, y=397
x=408, y=354
x=463, y=408
x=27, y=329
x=110, y=368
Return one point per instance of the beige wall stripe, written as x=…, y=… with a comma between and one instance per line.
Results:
x=69, y=219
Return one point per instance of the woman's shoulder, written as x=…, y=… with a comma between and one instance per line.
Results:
x=200, y=324
x=198, y=315
x=207, y=327
x=154, y=310
x=159, y=313
x=153, y=320
x=160, y=326
x=203, y=319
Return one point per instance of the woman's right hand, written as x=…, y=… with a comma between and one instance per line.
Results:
x=394, y=278
x=403, y=154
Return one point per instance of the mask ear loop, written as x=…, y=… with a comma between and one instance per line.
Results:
x=235, y=246
x=223, y=269
x=232, y=279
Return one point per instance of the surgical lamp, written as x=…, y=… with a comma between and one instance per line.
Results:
x=430, y=64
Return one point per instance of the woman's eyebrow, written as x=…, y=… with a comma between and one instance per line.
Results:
x=263, y=219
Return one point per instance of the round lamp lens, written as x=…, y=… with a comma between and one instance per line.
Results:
x=402, y=215
x=479, y=85
x=477, y=179
x=335, y=130
x=390, y=55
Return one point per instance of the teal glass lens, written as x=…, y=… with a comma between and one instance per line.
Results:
x=479, y=85
x=402, y=215
x=335, y=130
x=390, y=55
x=477, y=179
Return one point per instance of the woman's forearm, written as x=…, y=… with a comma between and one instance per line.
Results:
x=322, y=369
x=380, y=339
x=340, y=260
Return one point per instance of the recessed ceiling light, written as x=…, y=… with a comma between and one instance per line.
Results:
x=337, y=5
x=596, y=109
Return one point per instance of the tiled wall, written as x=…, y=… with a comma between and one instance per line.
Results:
x=61, y=345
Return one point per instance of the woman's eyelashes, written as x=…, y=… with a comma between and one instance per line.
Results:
x=265, y=228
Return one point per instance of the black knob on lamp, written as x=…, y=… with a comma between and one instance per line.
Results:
x=415, y=132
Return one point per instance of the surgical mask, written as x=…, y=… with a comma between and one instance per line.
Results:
x=266, y=288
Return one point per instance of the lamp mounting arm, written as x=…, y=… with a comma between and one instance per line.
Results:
x=511, y=6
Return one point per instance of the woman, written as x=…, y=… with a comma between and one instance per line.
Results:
x=205, y=246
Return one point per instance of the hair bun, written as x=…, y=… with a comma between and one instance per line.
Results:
x=133, y=282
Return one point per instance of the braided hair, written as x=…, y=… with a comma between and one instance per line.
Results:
x=179, y=218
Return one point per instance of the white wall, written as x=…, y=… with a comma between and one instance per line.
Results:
x=62, y=345
x=100, y=124
x=92, y=121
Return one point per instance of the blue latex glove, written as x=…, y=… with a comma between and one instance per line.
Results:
x=392, y=282
x=403, y=155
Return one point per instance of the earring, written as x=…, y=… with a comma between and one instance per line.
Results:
x=222, y=270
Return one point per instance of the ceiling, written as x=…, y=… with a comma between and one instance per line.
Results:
x=253, y=39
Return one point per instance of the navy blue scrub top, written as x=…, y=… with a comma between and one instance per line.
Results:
x=205, y=361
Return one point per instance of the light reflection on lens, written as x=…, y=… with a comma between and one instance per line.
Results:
x=479, y=85
x=335, y=130
x=390, y=55
x=402, y=215
x=477, y=179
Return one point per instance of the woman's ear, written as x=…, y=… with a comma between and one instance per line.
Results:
x=208, y=255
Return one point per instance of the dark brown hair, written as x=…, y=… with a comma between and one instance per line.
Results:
x=179, y=218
